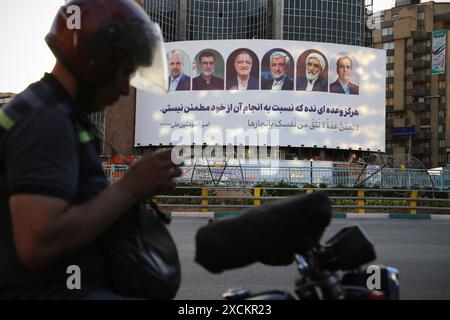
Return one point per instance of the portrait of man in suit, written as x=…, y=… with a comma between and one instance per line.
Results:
x=178, y=81
x=344, y=69
x=279, y=80
x=240, y=70
x=312, y=80
x=206, y=80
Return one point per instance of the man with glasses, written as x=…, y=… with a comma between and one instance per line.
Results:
x=311, y=80
x=342, y=84
x=206, y=80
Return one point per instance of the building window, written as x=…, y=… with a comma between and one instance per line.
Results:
x=390, y=102
x=395, y=16
x=441, y=114
x=421, y=16
x=389, y=73
x=389, y=45
x=442, y=85
x=390, y=59
x=387, y=31
x=441, y=128
x=425, y=115
x=424, y=42
x=441, y=143
x=448, y=157
x=442, y=99
x=390, y=87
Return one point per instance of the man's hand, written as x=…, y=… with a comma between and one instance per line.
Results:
x=150, y=175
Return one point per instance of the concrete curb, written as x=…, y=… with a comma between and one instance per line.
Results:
x=192, y=214
x=392, y=216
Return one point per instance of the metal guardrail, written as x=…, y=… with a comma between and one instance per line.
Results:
x=361, y=203
x=233, y=176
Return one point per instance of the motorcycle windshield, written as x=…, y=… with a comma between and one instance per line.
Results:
x=151, y=72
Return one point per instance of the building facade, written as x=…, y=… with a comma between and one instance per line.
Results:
x=416, y=101
x=330, y=21
x=333, y=21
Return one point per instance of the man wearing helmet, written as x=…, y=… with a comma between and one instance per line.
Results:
x=55, y=201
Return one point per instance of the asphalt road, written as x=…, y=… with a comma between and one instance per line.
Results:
x=419, y=249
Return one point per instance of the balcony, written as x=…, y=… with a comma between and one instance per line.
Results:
x=442, y=106
x=389, y=108
x=441, y=120
x=421, y=150
x=390, y=52
x=423, y=135
x=389, y=122
x=389, y=95
x=419, y=49
x=418, y=106
x=418, y=64
x=442, y=18
x=419, y=35
x=390, y=66
x=387, y=38
x=441, y=135
x=390, y=80
x=418, y=92
x=425, y=122
x=418, y=78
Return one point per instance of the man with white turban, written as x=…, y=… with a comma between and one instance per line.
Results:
x=311, y=80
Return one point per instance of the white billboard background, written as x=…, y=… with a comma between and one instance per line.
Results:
x=295, y=118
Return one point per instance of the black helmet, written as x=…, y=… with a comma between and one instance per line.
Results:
x=110, y=31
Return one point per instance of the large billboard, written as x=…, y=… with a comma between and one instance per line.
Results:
x=267, y=92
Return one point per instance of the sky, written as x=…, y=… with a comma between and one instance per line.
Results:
x=24, y=56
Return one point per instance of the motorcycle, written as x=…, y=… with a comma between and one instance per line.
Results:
x=289, y=231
